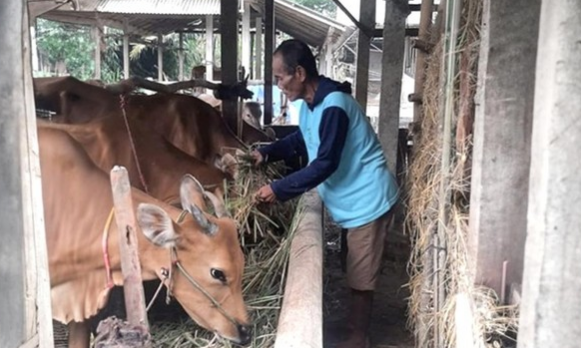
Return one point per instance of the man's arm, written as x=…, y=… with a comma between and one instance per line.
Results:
x=332, y=134
x=289, y=146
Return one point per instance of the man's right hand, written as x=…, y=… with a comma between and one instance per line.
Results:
x=258, y=159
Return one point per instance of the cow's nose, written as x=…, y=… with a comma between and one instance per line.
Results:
x=245, y=334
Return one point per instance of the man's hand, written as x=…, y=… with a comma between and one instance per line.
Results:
x=265, y=195
x=257, y=156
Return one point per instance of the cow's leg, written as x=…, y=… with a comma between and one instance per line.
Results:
x=79, y=334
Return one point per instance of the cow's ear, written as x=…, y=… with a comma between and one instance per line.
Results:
x=156, y=225
x=229, y=165
x=192, y=193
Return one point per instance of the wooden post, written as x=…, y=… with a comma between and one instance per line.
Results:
x=181, y=57
x=130, y=266
x=392, y=62
x=246, y=36
x=301, y=316
x=209, y=48
x=229, y=49
x=367, y=19
x=25, y=318
x=159, y=57
x=97, y=37
x=125, y=50
x=258, y=51
x=268, y=50
x=421, y=55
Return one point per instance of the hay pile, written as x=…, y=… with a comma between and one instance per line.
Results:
x=433, y=322
x=266, y=232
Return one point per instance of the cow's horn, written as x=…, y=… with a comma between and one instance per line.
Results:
x=218, y=205
x=209, y=227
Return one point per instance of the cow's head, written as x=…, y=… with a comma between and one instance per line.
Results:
x=207, y=247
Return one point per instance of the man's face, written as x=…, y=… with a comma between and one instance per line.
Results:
x=292, y=85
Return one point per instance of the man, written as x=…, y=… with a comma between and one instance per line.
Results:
x=346, y=164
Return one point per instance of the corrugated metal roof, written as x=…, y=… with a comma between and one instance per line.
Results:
x=303, y=23
x=161, y=7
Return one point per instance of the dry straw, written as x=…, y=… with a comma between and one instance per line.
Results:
x=491, y=323
x=266, y=232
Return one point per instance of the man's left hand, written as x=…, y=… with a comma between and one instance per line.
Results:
x=265, y=194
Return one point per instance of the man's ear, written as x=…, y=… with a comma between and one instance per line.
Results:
x=301, y=73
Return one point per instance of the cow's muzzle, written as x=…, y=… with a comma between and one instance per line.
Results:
x=244, y=334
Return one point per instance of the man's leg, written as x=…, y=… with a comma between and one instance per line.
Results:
x=363, y=264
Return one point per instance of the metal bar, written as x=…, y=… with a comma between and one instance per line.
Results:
x=159, y=57
x=229, y=50
x=258, y=51
x=209, y=48
x=246, y=37
x=181, y=57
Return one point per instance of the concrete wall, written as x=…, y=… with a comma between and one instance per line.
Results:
x=502, y=139
x=551, y=304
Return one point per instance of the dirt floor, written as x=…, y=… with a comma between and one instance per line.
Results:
x=388, y=327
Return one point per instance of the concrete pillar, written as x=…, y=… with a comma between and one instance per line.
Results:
x=391, y=75
x=209, y=47
x=159, y=57
x=367, y=19
x=551, y=305
x=258, y=53
x=246, y=37
x=502, y=139
x=269, y=38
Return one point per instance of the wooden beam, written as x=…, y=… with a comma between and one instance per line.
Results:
x=412, y=32
x=258, y=51
x=125, y=51
x=209, y=48
x=421, y=54
x=392, y=62
x=181, y=57
x=229, y=50
x=301, y=315
x=363, y=27
x=269, y=38
x=246, y=37
x=128, y=247
x=25, y=301
x=97, y=37
x=159, y=57
x=367, y=18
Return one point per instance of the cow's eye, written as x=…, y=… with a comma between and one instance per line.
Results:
x=218, y=274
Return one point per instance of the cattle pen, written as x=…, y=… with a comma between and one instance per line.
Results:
x=485, y=250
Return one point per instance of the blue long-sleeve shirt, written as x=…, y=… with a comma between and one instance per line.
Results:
x=346, y=162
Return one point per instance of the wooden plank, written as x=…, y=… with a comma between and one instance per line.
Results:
x=181, y=57
x=392, y=62
x=258, y=51
x=125, y=50
x=367, y=19
x=97, y=37
x=209, y=48
x=229, y=50
x=421, y=55
x=246, y=37
x=268, y=50
x=130, y=266
x=301, y=316
x=159, y=57
x=25, y=299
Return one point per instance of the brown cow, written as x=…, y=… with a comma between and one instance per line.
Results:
x=77, y=201
x=108, y=143
x=187, y=122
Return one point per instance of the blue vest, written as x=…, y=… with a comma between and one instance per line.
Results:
x=362, y=189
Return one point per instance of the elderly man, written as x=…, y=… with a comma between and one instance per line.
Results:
x=346, y=165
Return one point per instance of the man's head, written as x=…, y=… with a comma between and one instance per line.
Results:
x=294, y=67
